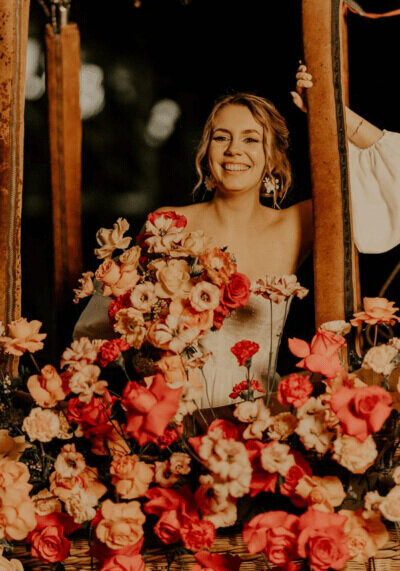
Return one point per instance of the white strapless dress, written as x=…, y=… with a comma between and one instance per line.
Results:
x=260, y=321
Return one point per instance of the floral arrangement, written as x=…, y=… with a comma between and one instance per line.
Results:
x=112, y=443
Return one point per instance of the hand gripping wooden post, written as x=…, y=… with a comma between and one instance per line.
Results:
x=336, y=277
x=14, y=17
x=62, y=72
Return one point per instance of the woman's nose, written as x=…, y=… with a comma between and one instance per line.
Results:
x=233, y=148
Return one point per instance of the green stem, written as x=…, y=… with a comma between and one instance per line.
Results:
x=207, y=395
x=270, y=351
x=35, y=363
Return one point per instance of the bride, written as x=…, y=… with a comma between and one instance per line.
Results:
x=242, y=156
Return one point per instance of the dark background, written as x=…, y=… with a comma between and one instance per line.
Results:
x=188, y=53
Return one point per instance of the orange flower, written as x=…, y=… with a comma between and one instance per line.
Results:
x=376, y=310
x=14, y=475
x=17, y=514
x=121, y=524
x=218, y=265
x=46, y=389
x=131, y=477
x=24, y=336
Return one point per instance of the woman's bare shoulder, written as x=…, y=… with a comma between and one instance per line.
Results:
x=191, y=211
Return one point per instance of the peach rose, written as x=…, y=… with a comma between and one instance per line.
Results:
x=276, y=457
x=204, y=296
x=173, y=279
x=46, y=389
x=42, y=425
x=81, y=352
x=376, y=310
x=17, y=514
x=121, y=524
x=172, y=369
x=380, y=359
x=109, y=273
x=365, y=534
x=130, y=257
x=130, y=476
x=45, y=503
x=11, y=447
x=143, y=297
x=23, y=336
x=86, y=287
x=218, y=265
x=14, y=475
x=321, y=493
x=390, y=505
x=354, y=455
x=112, y=239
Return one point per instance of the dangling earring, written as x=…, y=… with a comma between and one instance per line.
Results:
x=271, y=187
x=209, y=183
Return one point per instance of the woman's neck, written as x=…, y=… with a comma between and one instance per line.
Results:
x=241, y=207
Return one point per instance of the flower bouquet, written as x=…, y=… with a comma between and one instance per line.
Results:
x=105, y=448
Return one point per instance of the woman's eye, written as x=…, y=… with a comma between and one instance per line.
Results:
x=251, y=140
x=220, y=138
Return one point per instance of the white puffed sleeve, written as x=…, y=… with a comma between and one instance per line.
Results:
x=375, y=194
x=93, y=321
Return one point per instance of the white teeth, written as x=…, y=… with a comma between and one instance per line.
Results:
x=235, y=167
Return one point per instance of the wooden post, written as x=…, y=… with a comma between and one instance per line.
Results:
x=63, y=66
x=14, y=17
x=335, y=258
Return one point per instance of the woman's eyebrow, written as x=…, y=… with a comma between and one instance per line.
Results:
x=244, y=132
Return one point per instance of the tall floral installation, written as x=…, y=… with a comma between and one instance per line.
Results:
x=111, y=443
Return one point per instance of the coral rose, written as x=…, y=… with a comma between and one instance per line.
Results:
x=197, y=534
x=236, y=292
x=131, y=477
x=93, y=416
x=376, y=310
x=243, y=351
x=294, y=390
x=218, y=265
x=121, y=524
x=261, y=481
x=322, y=540
x=216, y=562
x=124, y=563
x=23, y=336
x=168, y=527
x=362, y=410
x=273, y=533
x=321, y=355
x=46, y=389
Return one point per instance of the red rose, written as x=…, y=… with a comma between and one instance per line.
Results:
x=322, y=539
x=197, y=534
x=149, y=410
x=243, y=351
x=236, y=292
x=321, y=356
x=261, y=481
x=361, y=411
x=48, y=542
x=111, y=350
x=166, y=499
x=168, y=527
x=275, y=534
x=294, y=390
x=92, y=416
x=216, y=561
x=177, y=220
x=124, y=563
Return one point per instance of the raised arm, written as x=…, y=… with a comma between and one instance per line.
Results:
x=361, y=132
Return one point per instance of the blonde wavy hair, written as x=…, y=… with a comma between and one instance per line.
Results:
x=275, y=138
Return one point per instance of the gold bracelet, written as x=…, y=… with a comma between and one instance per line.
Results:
x=356, y=129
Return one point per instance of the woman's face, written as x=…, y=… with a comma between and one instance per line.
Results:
x=236, y=154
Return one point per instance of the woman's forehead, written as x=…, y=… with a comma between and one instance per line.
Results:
x=236, y=116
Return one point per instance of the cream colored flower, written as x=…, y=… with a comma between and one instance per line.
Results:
x=143, y=297
x=372, y=500
x=173, y=279
x=130, y=323
x=365, y=534
x=164, y=236
x=276, y=457
x=130, y=476
x=192, y=244
x=396, y=475
x=81, y=351
x=228, y=459
x=340, y=327
x=390, y=505
x=86, y=287
x=379, y=359
x=324, y=493
x=214, y=503
x=168, y=334
x=80, y=505
x=12, y=447
x=312, y=428
x=42, y=425
x=282, y=426
x=111, y=239
x=395, y=342
x=65, y=432
x=354, y=455
x=192, y=391
x=9, y=564
x=204, y=296
x=85, y=383
x=69, y=463
x=130, y=257
x=23, y=336
x=246, y=411
x=256, y=414
x=163, y=475
x=280, y=288
x=180, y=463
x=45, y=503
x=2, y=328
x=121, y=524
